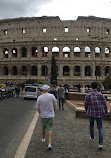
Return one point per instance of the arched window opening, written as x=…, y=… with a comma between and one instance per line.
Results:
x=34, y=71
x=24, y=70
x=66, y=71
x=97, y=52
x=77, y=71
x=107, y=51
x=5, y=70
x=14, y=52
x=24, y=52
x=55, y=51
x=44, y=71
x=14, y=70
x=77, y=52
x=88, y=71
x=34, y=52
x=98, y=71
x=5, y=53
x=44, y=51
x=66, y=52
x=107, y=70
x=87, y=51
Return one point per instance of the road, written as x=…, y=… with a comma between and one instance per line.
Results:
x=16, y=115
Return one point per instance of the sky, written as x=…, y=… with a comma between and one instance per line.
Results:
x=65, y=9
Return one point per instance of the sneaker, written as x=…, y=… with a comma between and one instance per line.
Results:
x=49, y=146
x=91, y=139
x=100, y=146
x=43, y=140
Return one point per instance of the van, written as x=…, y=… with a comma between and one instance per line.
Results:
x=31, y=92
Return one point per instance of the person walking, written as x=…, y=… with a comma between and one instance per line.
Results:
x=45, y=105
x=96, y=108
x=60, y=96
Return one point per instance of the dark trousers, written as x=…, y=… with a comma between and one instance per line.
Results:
x=61, y=101
x=100, y=128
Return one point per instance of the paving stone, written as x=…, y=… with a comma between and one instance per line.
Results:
x=70, y=138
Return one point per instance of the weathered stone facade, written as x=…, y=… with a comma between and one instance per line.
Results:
x=81, y=48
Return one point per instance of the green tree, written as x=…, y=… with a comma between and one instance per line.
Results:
x=53, y=71
x=107, y=82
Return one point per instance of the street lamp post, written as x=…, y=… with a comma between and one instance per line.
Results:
x=45, y=63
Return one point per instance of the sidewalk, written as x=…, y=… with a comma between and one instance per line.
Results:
x=70, y=138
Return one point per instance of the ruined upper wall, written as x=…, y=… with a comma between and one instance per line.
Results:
x=52, y=28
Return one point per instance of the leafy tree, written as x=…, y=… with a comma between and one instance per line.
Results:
x=53, y=71
x=107, y=82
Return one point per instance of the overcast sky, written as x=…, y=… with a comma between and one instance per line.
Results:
x=65, y=9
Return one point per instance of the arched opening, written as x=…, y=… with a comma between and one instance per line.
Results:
x=88, y=71
x=55, y=51
x=66, y=52
x=5, y=53
x=34, y=71
x=24, y=70
x=5, y=70
x=14, y=70
x=107, y=51
x=87, y=52
x=24, y=52
x=44, y=51
x=44, y=71
x=97, y=51
x=34, y=52
x=77, y=52
x=66, y=71
x=107, y=70
x=77, y=71
x=98, y=71
x=14, y=52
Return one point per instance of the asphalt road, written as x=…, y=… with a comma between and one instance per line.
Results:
x=16, y=115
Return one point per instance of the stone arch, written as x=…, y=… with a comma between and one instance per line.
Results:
x=66, y=71
x=77, y=70
x=97, y=51
x=34, y=51
x=107, y=52
x=44, y=70
x=24, y=52
x=5, y=70
x=14, y=70
x=5, y=53
x=55, y=51
x=66, y=52
x=98, y=71
x=107, y=70
x=87, y=51
x=34, y=71
x=45, y=51
x=24, y=70
x=88, y=71
x=14, y=52
x=77, y=51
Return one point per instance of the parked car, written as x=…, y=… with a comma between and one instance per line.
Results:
x=31, y=92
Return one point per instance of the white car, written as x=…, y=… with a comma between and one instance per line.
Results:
x=31, y=92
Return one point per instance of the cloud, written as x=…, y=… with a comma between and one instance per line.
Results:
x=20, y=8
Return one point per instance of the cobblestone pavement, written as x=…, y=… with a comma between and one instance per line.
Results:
x=70, y=138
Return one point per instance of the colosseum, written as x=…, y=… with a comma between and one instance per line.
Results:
x=81, y=48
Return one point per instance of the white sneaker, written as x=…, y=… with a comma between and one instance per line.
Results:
x=91, y=139
x=43, y=140
x=100, y=146
x=49, y=146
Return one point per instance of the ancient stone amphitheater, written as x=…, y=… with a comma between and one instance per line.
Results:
x=81, y=48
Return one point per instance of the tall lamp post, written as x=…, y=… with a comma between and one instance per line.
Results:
x=45, y=63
